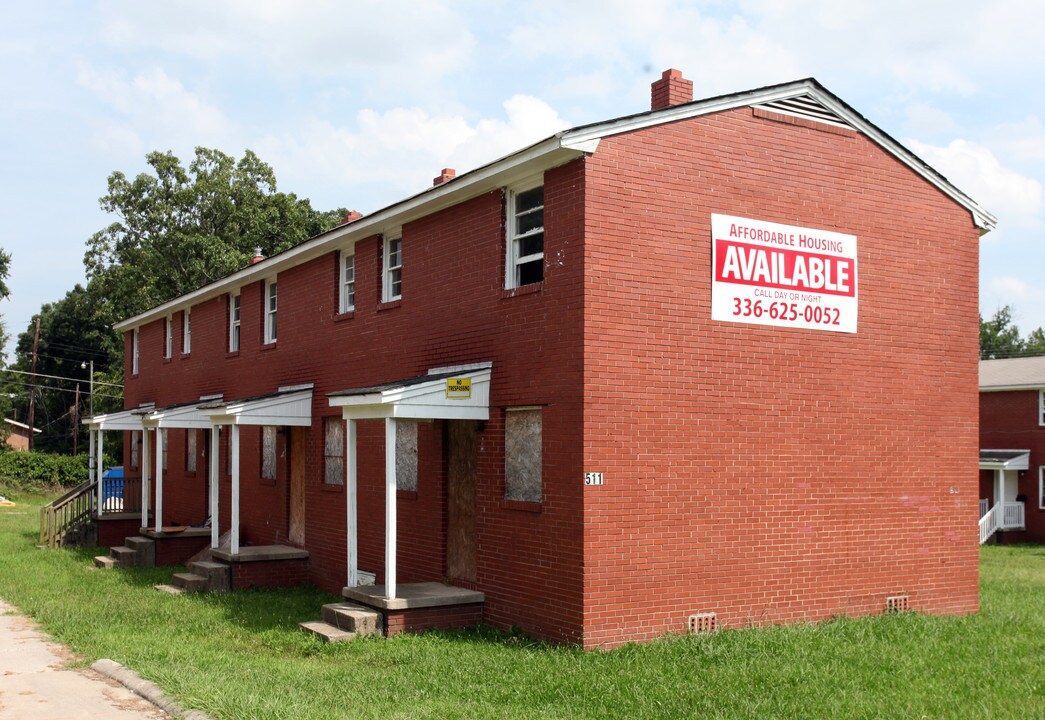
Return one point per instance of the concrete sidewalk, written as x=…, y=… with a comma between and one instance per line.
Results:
x=34, y=682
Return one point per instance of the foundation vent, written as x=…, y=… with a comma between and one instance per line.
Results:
x=702, y=623
x=805, y=107
x=897, y=604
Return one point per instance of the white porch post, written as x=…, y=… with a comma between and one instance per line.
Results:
x=234, y=449
x=99, y=469
x=390, y=508
x=90, y=460
x=145, y=477
x=214, y=449
x=352, y=501
x=159, y=478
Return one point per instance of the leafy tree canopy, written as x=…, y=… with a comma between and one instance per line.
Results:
x=1000, y=338
x=178, y=229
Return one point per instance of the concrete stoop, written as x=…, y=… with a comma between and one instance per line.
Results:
x=202, y=576
x=135, y=552
x=345, y=621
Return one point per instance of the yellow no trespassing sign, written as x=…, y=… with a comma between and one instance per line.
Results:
x=459, y=388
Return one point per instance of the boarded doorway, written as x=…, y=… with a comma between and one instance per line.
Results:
x=461, y=471
x=296, y=522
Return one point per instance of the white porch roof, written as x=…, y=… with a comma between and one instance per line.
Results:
x=186, y=415
x=1004, y=459
x=287, y=406
x=122, y=420
x=435, y=396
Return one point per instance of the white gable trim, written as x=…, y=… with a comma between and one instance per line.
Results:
x=122, y=420
x=286, y=408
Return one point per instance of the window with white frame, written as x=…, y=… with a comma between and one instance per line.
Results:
x=406, y=456
x=525, y=237
x=268, y=452
x=270, y=312
x=190, y=451
x=136, y=439
x=234, y=306
x=334, y=451
x=1041, y=407
x=392, y=278
x=522, y=454
x=348, y=282
x=134, y=351
x=186, y=331
x=168, y=337
x=1041, y=487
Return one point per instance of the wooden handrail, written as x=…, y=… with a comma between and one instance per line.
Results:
x=58, y=517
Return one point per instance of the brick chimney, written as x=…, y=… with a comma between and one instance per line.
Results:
x=671, y=89
x=352, y=216
x=258, y=257
x=446, y=174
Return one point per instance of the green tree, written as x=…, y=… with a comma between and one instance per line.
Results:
x=1000, y=337
x=179, y=229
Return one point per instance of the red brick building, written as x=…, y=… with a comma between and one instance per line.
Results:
x=714, y=362
x=1012, y=450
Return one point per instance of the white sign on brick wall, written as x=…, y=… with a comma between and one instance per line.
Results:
x=766, y=273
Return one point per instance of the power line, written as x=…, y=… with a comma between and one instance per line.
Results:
x=61, y=377
x=60, y=389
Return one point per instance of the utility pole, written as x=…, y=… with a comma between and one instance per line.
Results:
x=32, y=384
x=76, y=419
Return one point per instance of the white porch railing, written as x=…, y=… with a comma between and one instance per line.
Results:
x=1003, y=516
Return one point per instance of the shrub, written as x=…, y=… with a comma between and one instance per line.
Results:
x=37, y=470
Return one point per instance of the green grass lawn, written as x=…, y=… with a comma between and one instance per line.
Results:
x=241, y=655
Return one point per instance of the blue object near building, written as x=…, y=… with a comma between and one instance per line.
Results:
x=112, y=484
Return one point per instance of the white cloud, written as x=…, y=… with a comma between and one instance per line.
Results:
x=926, y=119
x=387, y=155
x=1023, y=140
x=402, y=39
x=1017, y=200
x=154, y=109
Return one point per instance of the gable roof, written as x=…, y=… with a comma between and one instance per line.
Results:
x=1026, y=373
x=21, y=426
x=801, y=98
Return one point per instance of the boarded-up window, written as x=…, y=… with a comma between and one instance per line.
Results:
x=406, y=456
x=333, y=451
x=136, y=438
x=268, y=452
x=190, y=451
x=166, y=446
x=522, y=454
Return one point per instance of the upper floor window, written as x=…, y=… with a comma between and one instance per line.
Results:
x=134, y=351
x=186, y=331
x=392, y=283
x=270, y=312
x=347, y=283
x=168, y=337
x=234, y=322
x=525, y=236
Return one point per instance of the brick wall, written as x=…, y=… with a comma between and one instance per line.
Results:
x=269, y=574
x=454, y=616
x=453, y=311
x=773, y=474
x=177, y=550
x=1009, y=421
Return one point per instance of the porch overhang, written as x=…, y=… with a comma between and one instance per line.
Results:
x=1004, y=459
x=287, y=406
x=122, y=420
x=458, y=394
x=184, y=416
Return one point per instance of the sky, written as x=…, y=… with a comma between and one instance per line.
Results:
x=359, y=104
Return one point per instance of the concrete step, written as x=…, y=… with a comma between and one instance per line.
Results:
x=189, y=582
x=105, y=562
x=123, y=556
x=218, y=575
x=144, y=550
x=169, y=589
x=325, y=632
x=354, y=618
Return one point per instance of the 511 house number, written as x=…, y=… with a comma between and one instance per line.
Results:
x=593, y=478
